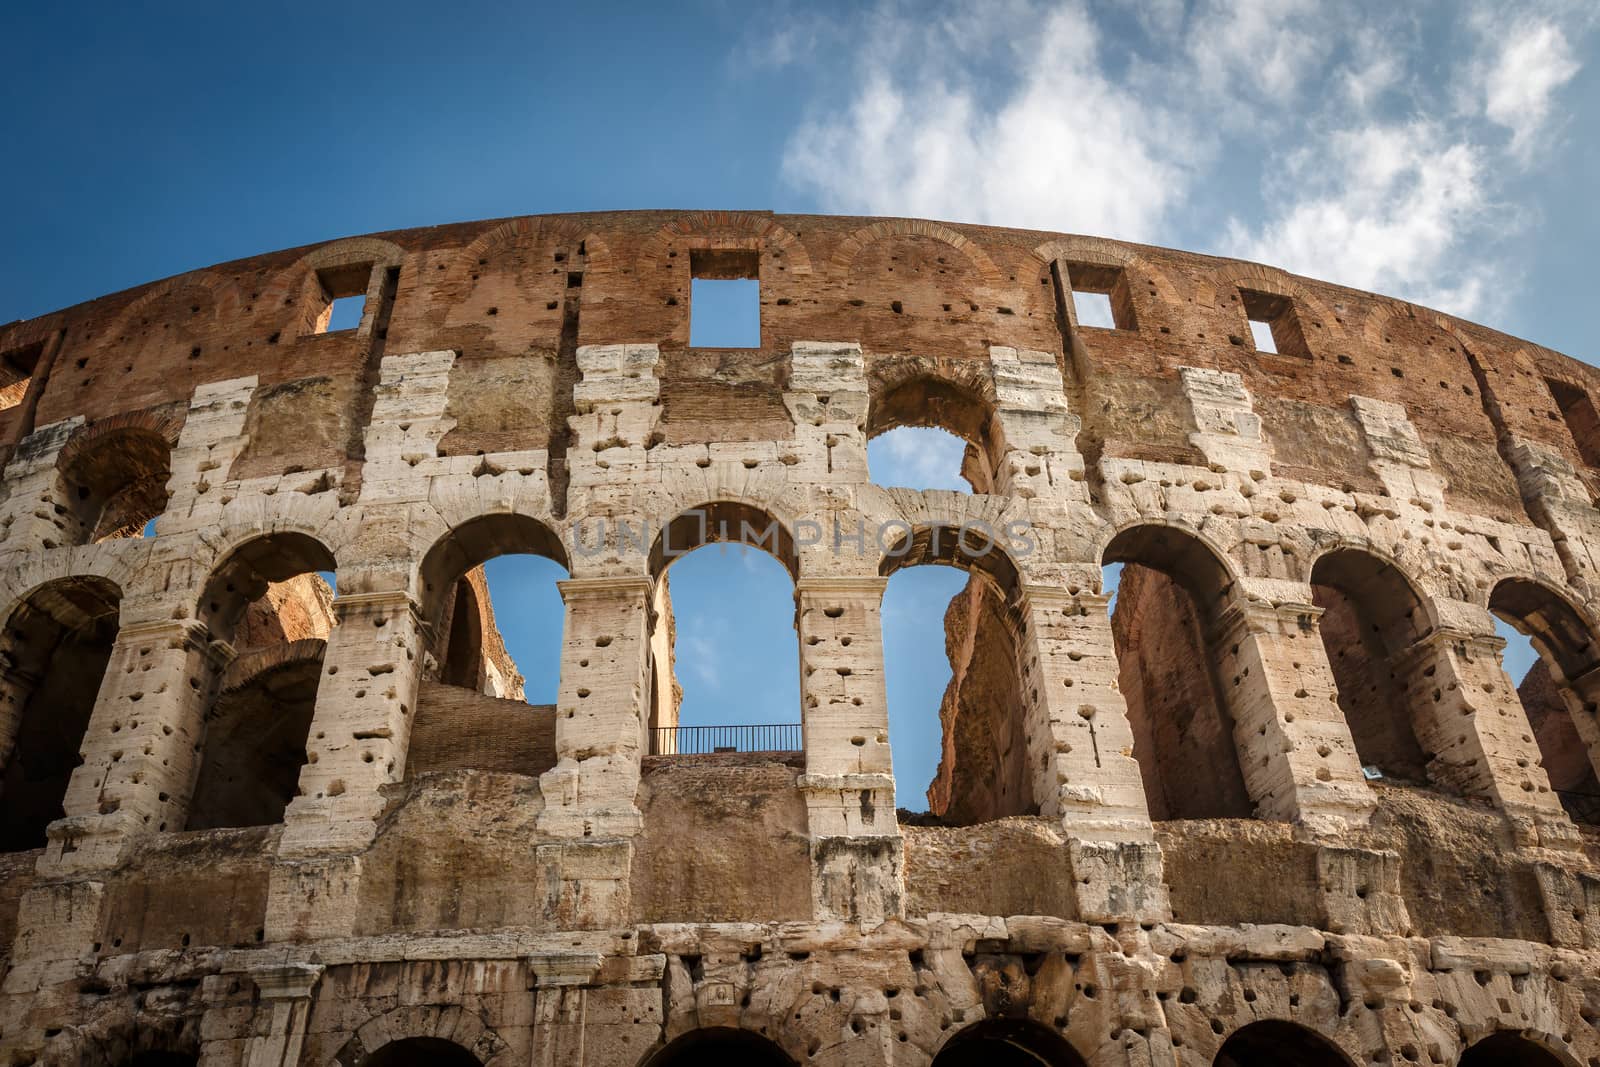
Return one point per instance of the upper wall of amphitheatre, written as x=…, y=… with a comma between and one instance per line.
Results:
x=516, y=301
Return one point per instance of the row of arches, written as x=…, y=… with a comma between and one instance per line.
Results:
x=1166, y=627
x=990, y=1043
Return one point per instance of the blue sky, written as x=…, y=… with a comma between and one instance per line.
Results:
x=1440, y=152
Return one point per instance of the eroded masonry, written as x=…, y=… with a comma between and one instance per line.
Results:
x=1282, y=805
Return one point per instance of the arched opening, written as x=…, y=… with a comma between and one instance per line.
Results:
x=1371, y=616
x=724, y=654
x=1273, y=1042
x=1550, y=690
x=1509, y=1049
x=980, y=764
x=1169, y=596
x=492, y=603
x=259, y=723
x=421, y=1052
x=928, y=433
x=267, y=599
x=116, y=481
x=1007, y=1043
x=720, y=1046
x=53, y=654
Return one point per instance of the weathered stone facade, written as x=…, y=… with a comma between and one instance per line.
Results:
x=1286, y=806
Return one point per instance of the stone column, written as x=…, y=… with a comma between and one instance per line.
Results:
x=286, y=998
x=1080, y=746
x=142, y=748
x=37, y=513
x=360, y=731
x=600, y=710
x=1470, y=721
x=361, y=727
x=857, y=853
x=1295, y=750
x=591, y=795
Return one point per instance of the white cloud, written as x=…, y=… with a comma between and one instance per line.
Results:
x=916, y=457
x=1269, y=47
x=1377, y=133
x=1383, y=208
x=1532, y=61
x=1062, y=148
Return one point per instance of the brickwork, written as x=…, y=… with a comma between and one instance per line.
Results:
x=1286, y=798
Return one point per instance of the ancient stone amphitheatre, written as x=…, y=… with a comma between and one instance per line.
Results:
x=1283, y=805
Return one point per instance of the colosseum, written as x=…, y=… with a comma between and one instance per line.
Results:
x=1282, y=805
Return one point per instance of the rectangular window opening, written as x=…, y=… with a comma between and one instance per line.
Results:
x=724, y=298
x=344, y=290
x=1100, y=296
x=16, y=371
x=1578, y=411
x=1274, y=326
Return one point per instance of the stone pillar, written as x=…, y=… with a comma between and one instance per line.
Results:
x=361, y=727
x=600, y=710
x=142, y=747
x=1470, y=721
x=1295, y=750
x=360, y=731
x=591, y=795
x=286, y=999
x=36, y=512
x=856, y=850
x=1080, y=744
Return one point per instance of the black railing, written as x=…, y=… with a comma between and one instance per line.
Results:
x=1583, y=807
x=701, y=740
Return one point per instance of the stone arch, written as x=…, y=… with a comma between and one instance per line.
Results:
x=719, y=1046
x=1316, y=318
x=474, y=542
x=723, y=521
x=456, y=1025
x=1517, y=1048
x=515, y=231
x=116, y=472
x=1372, y=615
x=1174, y=590
x=983, y=770
x=848, y=250
x=956, y=396
x=1559, y=694
x=1270, y=1042
x=55, y=644
x=256, y=735
x=202, y=287
x=1007, y=1043
x=1101, y=252
x=728, y=229
x=298, y=284
x=255, y=731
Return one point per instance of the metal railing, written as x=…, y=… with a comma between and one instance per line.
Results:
x=704, y=740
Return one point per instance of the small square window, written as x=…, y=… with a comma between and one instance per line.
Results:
x=1094, y=309
x=1100, y=296
x=1274, y=326
x=724, y=298
x=1261, y=335
x=345, y=291
x=16, y=370
x=1578, y=411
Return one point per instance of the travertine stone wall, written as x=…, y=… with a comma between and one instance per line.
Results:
x=1395, y=479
